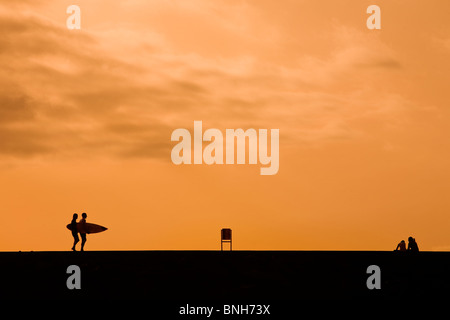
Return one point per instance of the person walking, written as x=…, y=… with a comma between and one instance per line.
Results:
x=73, y=227
x=82, y=230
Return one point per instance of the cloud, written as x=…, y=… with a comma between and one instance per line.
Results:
x=120, y=90
x=62, y=91
x=15, y=107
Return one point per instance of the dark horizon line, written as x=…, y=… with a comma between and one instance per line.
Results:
x=205, y=250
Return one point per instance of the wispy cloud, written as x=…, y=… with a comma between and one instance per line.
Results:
x=121, y=90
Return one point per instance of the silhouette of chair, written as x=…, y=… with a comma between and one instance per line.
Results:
x=225, y=237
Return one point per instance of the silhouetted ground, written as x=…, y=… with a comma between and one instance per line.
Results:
x=253, y=276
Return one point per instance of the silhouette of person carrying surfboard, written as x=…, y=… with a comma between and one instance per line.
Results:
x=83, y=228
x=73, y=227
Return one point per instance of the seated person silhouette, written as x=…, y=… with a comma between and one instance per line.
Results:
x=401, y=246
x=412, y=245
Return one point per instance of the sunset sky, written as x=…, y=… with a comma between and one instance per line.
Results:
x=86, y=118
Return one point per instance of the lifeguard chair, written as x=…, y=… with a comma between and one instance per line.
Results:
x=225, y=236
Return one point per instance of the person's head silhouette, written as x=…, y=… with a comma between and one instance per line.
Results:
x=412, y=245
x=84, y=215
x=75, y=216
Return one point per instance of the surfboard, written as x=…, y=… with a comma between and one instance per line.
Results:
x=90, y=227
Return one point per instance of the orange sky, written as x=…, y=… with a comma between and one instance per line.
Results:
x=86, y=117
